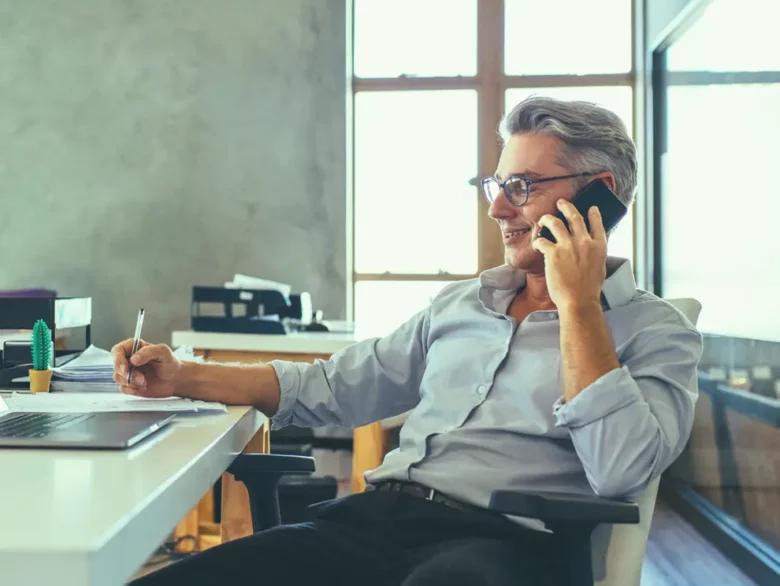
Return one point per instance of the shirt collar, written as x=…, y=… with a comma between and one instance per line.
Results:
x=618, y=289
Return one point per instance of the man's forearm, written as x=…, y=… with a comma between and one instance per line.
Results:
x=587, y=349
x=254, y=384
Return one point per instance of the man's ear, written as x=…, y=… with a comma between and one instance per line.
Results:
x=608, y=178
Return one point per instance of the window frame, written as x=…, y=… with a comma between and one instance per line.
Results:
x=490, y=83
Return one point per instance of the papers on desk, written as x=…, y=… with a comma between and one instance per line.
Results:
x=104, y=402
x=93, y=371
x=246, y=282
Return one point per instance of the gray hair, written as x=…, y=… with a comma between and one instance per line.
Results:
x=594, y=138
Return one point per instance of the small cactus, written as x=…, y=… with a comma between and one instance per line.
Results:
x=41, y=346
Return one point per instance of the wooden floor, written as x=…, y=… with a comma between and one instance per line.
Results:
x=677, y=555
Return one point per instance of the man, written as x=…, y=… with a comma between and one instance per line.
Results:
x=552, y=372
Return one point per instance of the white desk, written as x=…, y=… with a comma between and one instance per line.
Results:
x=83, y=518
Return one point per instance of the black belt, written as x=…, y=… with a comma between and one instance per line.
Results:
x=420, y=491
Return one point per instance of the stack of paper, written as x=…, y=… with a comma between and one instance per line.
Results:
x=241, y=281
x=93, y=371
x=97, y=403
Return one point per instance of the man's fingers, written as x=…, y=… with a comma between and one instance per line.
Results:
x=121, y=354
x=126, y=346
x=148, y=354
x=573, y=216
x=555, y=226
x=137, y=380
x=597, y=231
x=543, y=245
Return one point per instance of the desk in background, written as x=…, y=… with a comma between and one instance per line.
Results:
x=369, y=442
x=93, y=517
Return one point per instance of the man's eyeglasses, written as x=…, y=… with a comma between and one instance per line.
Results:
x=518, y=188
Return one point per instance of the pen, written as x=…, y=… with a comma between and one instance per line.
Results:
x=136, y=339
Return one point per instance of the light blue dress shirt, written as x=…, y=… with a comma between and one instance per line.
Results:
x=485, y=393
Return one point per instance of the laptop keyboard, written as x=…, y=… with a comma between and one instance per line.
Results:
x=31, y=425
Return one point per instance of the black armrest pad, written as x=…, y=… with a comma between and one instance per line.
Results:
x=271, y=463
x=557, y=507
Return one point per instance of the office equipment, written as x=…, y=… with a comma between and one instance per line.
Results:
x=76, y=430
x=93, y=517
x=21, y=313
x=139, y=324
x=250, y=311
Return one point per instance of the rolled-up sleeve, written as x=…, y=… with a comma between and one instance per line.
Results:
x=632, y=423
x=367, y=381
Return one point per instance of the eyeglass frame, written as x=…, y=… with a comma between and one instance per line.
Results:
x=528, y=183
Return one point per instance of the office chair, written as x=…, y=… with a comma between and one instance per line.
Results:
x=606, y=538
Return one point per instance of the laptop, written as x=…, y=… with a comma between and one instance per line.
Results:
x=78, y=430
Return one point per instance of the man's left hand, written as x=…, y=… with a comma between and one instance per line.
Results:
x=575, y=265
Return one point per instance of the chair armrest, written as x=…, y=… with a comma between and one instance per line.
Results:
x=572, y=519
x=556, y=508
x=260, y=473
x=248, y=463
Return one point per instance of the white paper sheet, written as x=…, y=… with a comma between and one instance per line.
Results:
x=241, y=281
x=103, y=402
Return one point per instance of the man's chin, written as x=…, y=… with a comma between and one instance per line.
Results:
x=524, y=259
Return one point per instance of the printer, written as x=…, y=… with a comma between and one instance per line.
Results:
x=252, y=311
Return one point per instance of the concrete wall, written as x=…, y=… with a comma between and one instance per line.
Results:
x=147, y=146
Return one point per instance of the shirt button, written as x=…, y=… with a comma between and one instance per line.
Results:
x=449, y=428
x=554, y=315
x=481, y=389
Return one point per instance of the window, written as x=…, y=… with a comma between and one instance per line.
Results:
x=567, y=37
x=429, y=93
x=415, y=211
x=376, y=317
x=389, y=42
x=717, y=223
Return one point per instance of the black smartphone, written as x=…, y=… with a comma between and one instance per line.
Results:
x=596, y=193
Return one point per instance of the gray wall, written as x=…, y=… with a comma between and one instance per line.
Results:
x=151, y=145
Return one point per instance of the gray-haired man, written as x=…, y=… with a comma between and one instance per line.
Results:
x=552, y=372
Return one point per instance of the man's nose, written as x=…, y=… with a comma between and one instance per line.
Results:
x=501, y=208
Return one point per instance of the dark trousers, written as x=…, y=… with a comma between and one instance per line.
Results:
x=383, y=539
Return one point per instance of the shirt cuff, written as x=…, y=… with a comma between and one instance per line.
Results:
x=607, y=394
x=289, y=382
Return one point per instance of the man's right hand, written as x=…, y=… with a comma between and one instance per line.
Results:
x=155, y=369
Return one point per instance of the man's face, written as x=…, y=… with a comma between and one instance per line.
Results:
x=534, y=156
